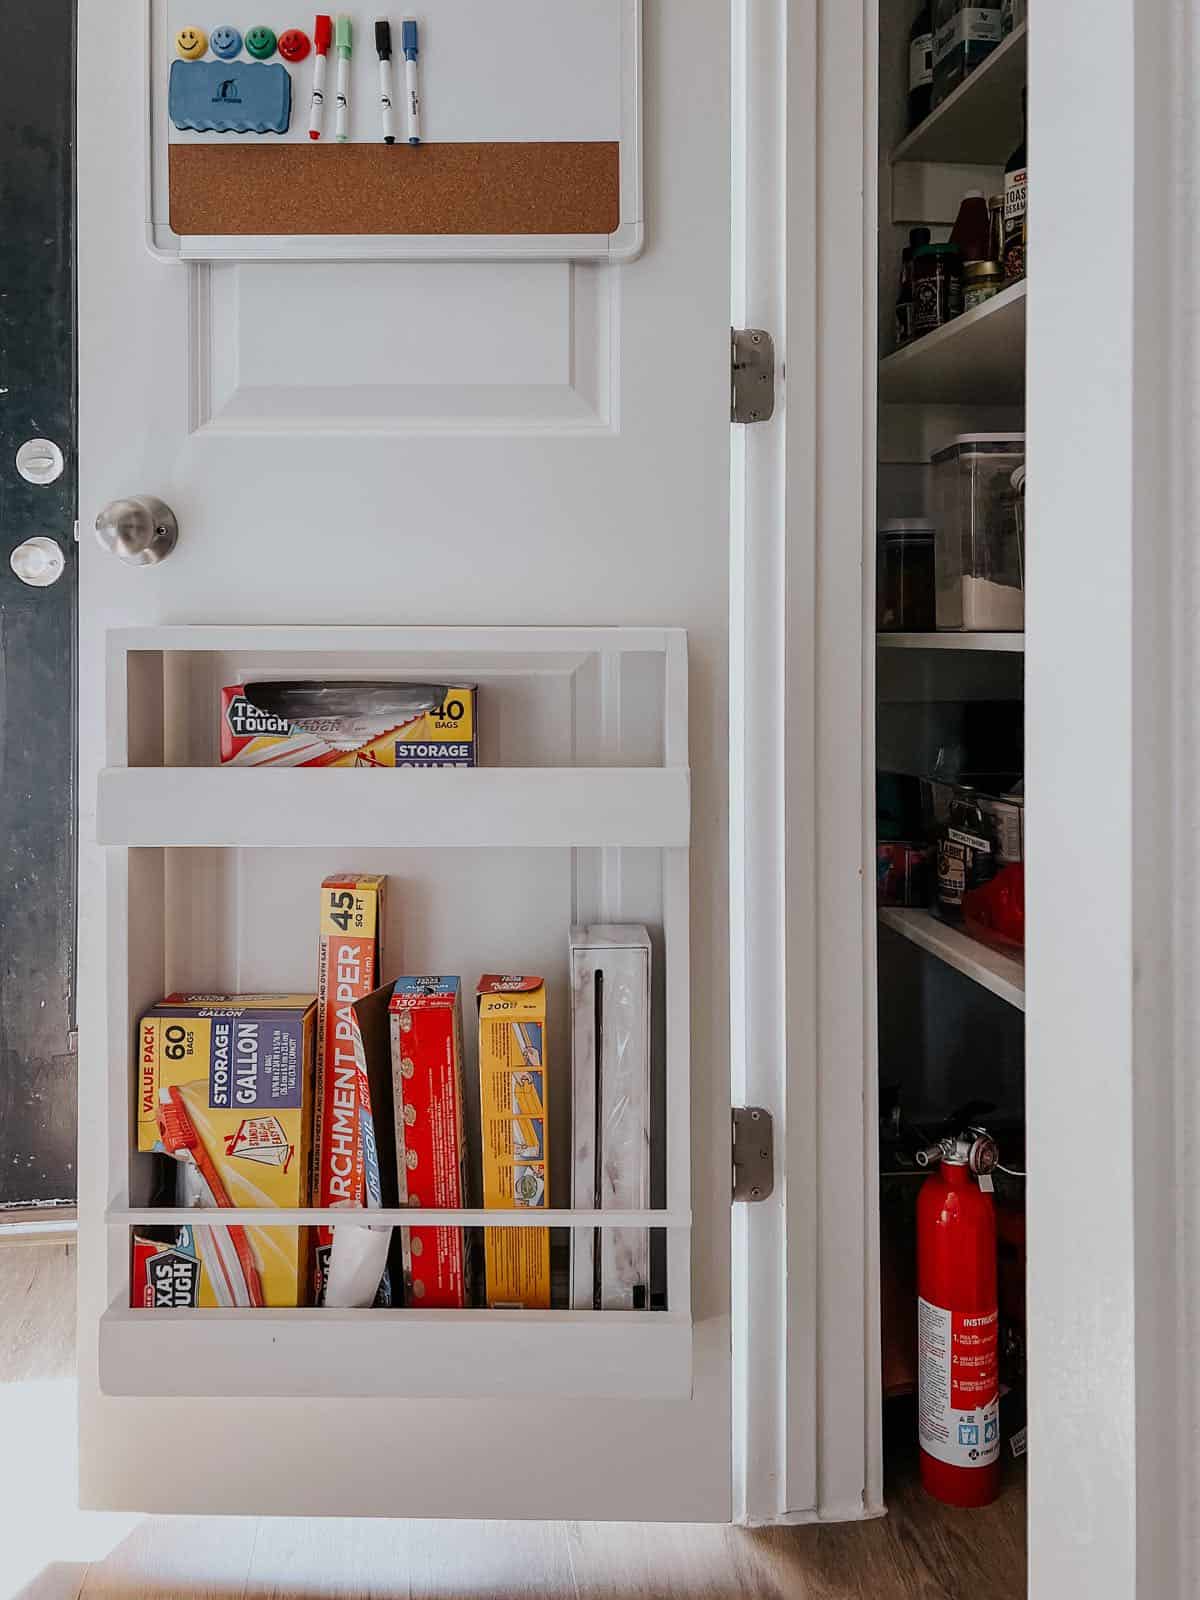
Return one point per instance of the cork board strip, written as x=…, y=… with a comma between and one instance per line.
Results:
x=508, y=188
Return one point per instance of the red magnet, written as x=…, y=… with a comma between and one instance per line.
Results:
x=293, y=44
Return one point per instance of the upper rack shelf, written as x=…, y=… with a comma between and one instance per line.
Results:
x=979, y=124
x=979, y=357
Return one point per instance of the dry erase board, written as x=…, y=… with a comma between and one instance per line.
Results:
x=530, y=127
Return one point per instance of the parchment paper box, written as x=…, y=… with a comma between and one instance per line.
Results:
x=610, y=1113
x=427, y=1052
x=225, y=1087
x=513, y=1072
x=349, y=961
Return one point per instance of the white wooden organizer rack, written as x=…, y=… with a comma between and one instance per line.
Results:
x=579, y=811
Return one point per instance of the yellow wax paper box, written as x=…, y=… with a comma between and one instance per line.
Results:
x=513, y=1121
x=225, y=1087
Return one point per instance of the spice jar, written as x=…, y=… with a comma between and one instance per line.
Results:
x=981, y=280
x=937, y=287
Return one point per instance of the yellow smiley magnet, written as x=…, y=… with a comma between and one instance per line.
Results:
x=191, y=43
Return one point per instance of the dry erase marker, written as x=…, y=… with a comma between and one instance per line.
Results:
x=322, y=39
x=383, y=45
x=344, y=40
x=410, y=79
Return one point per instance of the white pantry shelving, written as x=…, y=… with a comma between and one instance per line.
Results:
x=579, y=811
x=979, y=124
x=1009, y=643
x=999, y=974
x=977, y=358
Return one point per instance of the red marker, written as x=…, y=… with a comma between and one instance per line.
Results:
x=322, y=39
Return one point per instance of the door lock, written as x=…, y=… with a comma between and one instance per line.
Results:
x=39, y=562
x=141, y=530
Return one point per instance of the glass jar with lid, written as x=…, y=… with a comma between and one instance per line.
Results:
x=904, y=591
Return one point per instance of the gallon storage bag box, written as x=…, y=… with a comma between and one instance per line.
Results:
x=348, y=724
x=225, y=1086
x=978, y=482
x=610, y=1113
x=427, y=1090
x=513, y=1072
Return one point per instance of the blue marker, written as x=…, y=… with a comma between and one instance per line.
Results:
x=409, y=36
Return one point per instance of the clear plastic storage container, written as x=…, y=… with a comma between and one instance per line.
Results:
x=978, y=484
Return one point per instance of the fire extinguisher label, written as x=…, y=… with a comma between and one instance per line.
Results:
x=958, y=1385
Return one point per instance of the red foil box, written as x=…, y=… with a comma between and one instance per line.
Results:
x=427, y=1050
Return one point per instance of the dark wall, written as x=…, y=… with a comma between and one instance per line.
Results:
x=37, y=626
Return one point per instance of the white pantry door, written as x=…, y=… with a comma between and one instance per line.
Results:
x=465, y=445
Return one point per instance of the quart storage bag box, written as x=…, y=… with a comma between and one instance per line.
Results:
x=348, y=724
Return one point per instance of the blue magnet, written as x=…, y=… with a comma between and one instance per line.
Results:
x=225, y=42
x=217, y=97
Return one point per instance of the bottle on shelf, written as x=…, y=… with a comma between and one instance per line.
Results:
x=937, y=287
x=920, y=66
x=904, y=293
x=972, y=227
x=966, y=853
x=1016, y=202
x=963, y=38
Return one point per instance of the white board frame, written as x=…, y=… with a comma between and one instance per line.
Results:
x=626, y=244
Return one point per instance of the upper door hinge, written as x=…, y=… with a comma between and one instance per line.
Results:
x=753, y=1153
x=753, y=386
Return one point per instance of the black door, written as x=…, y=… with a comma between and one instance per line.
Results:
x=37, y=624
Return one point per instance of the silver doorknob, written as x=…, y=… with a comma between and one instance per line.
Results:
x=141, y=530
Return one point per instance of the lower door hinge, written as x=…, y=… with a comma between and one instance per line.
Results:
x=753, y=1154
x=753, y=375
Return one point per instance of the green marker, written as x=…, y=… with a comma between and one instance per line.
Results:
x=344, y=43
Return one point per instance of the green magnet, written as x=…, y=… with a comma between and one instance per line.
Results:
x=261, y=42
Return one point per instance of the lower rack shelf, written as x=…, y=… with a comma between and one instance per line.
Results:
x=421, y=1355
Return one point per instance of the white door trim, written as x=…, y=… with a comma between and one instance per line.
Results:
x=1113, y=804
x=806, y=1347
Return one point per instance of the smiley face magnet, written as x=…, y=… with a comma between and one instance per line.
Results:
x=225, y=42
x=191, y=43
x=293, y=44
x=260, y=42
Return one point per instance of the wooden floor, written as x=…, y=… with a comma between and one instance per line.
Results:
x=50, y=1551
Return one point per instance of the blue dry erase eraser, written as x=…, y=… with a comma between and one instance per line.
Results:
x=230, y=97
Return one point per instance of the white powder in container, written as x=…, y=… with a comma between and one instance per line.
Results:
x=989, y=607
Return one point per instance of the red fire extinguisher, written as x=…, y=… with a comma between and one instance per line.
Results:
x=958, y=1381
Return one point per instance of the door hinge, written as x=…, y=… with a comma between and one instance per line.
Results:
x=753, y=1153
x=753, y=375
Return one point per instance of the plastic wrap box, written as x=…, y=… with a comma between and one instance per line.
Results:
x=610, y=1113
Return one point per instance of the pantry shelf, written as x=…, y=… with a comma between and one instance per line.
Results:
x=1012, y=643
x=979, y=124
x=504, y=807
x=977, y=358
x=1000, y=974
x=429, y=1355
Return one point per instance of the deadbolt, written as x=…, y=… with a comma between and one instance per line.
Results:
x=141, y=530
x=38, y=562
x=40, y=461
